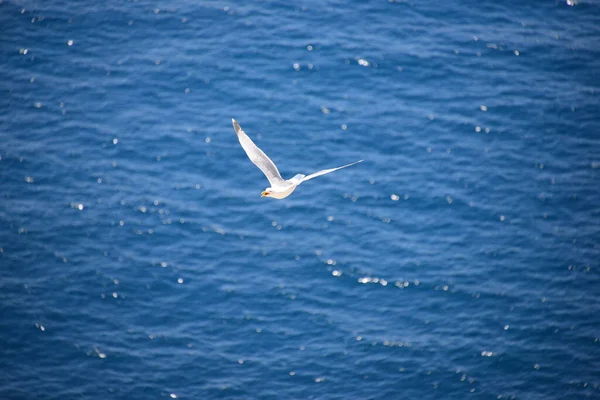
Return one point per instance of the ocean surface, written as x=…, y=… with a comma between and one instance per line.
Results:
x=461, y=260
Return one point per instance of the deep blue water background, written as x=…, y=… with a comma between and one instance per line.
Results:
x=460, y=260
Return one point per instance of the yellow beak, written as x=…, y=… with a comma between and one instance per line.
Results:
x=263, y=194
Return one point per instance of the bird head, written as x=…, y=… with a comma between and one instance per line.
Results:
x=266, y=192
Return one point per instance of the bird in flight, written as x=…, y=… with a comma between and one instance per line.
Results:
x=280, y=188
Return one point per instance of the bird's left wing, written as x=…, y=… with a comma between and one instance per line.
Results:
x=257, y=156
x=326, y=171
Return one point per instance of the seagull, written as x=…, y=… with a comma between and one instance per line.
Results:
x=280, y=188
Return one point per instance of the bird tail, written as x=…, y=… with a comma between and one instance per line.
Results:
x=297, y=178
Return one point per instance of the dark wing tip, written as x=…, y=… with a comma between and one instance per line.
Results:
x=236, y=126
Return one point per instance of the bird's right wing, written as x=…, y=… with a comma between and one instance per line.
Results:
x=257, y=156
x=327, y=171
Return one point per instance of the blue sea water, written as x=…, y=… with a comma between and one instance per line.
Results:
x=460, y=260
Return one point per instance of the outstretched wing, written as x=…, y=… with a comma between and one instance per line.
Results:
x=257, y=156
x=326, y=171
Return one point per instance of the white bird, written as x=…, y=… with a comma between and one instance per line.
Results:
x=280, y=188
